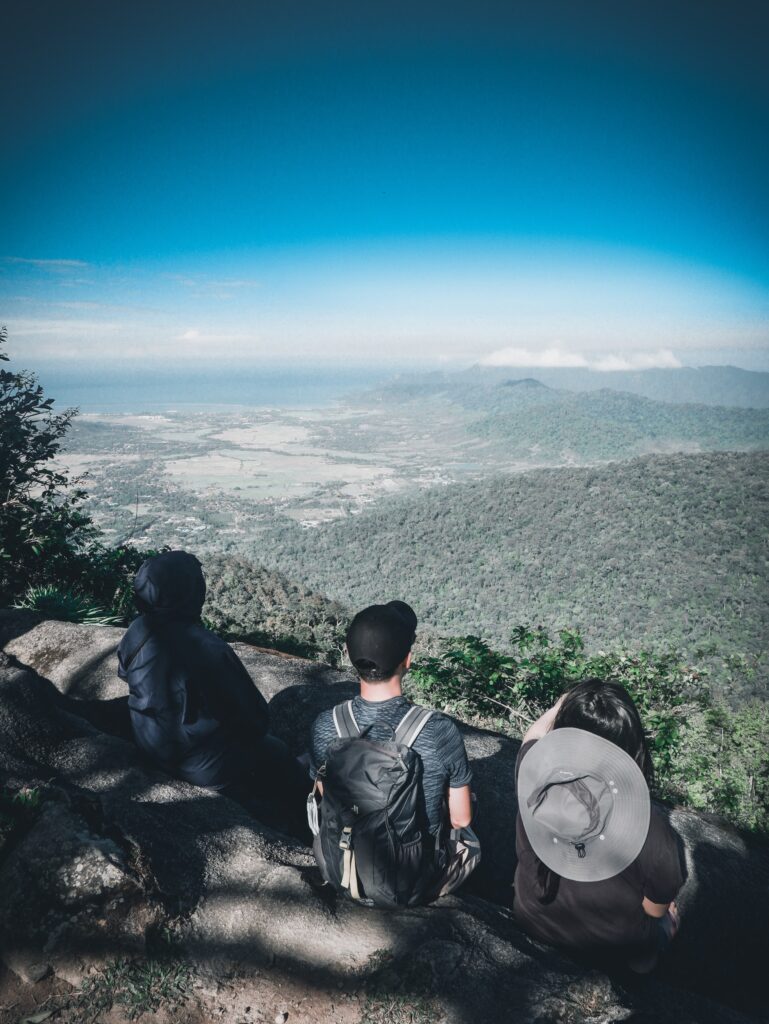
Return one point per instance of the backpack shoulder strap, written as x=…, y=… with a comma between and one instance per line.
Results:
x=412, y=723
x=344, y=721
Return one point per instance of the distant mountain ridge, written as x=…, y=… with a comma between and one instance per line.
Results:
x=524, y=382
x=727, y=386
x=706, y=385
x=534, y=423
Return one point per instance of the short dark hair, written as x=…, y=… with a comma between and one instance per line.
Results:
x=371, y=673
x=607, y=710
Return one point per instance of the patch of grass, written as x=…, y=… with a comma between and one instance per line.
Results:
x=137, y=986
x=17, y=811
x=399, y=992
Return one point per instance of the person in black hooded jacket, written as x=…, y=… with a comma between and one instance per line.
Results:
x=195, y=711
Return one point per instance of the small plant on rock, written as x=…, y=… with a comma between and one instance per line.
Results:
x=65, y=605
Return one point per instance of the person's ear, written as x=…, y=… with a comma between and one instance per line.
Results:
x=407, y=662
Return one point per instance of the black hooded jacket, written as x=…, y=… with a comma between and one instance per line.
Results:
x=194, y=708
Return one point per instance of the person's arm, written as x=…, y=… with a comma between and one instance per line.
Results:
x=654, y=909
x=663, y=869
x=460, y=806
x=451, y=752
x=663, y=910
x=544, y=723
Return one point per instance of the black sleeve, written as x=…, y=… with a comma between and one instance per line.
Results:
x=662, y=862
x=522, y=752
x=232, y=694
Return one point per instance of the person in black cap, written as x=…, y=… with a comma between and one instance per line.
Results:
x=195, y=711
x=379, y=642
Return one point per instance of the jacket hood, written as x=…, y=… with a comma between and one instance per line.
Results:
x=170, y=586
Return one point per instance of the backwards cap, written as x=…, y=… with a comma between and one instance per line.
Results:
x=382, y=634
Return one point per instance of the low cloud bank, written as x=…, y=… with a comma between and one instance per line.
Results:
x=551, y=358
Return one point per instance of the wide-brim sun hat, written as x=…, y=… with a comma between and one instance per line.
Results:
x=584, y=804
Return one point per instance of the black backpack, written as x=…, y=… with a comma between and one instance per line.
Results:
x=373, y=839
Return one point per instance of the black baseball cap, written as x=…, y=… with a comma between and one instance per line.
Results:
x=382, y=634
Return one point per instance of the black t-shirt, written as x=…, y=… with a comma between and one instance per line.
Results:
x=607, y=913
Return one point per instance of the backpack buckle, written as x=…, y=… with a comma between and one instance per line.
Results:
x=345, y=840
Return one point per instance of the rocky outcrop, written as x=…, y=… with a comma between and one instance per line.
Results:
x=118, y=852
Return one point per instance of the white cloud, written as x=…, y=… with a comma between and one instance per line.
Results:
x=548, y=357
x=54, y=266
x=663, y=358
x=214, y=288
x=189, y=336
x=556, y=357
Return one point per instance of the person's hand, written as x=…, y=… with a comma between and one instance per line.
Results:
x=553, y=712
x=674, y=919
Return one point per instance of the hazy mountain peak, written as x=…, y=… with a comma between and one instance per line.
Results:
x=525, y=382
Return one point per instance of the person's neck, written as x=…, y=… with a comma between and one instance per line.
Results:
x=377, y=692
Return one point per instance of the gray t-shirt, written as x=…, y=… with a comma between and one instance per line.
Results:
x=444, y=760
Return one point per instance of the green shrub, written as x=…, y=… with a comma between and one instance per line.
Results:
x=65, y=605
x=722, y=763
x=705, y=755
x=17, y=812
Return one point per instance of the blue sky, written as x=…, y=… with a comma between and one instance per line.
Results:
x=432, y=182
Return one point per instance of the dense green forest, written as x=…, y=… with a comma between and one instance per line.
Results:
x=606, y=424
x=248, y=602
x=662, y=549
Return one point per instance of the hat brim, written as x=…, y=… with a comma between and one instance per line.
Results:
x=579, y=752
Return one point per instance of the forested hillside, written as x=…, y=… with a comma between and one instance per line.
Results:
x=668, y=549
x=266, y=608
x=599, y=425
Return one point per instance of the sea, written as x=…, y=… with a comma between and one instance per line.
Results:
x=131, y=388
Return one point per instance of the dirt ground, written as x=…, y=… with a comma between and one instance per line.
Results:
x=255, y=997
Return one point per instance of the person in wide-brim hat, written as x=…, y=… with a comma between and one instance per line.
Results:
x=598, y=864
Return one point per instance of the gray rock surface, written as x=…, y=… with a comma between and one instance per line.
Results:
x=119, y=849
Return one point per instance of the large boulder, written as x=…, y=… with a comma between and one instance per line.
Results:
x=118, y=850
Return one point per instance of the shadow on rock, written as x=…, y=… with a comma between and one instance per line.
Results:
x=233, y=889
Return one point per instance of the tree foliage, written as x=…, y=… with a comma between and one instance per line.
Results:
x=42, y=525
x=263, y=607
x=705, y=755
x=661, y=550
x=50, y=551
